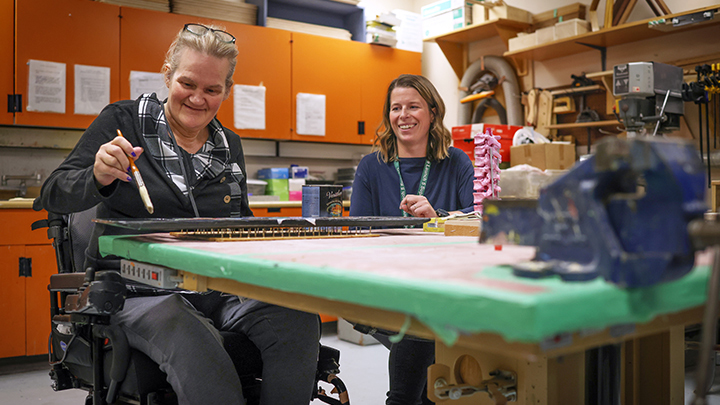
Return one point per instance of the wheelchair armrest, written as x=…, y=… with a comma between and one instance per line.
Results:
x=66, y=282
x=103, y=296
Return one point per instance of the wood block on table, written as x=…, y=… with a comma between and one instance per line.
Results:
x=462, y=227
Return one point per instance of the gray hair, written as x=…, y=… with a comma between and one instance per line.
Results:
x=208, y=44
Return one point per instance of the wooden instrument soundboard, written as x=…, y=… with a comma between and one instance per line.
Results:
x=251, y=228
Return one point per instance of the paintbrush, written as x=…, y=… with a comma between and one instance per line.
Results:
x=141, y=185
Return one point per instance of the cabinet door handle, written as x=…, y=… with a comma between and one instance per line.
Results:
x=14, y=103
x=25, y=264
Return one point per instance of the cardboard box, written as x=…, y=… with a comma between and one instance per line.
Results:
x=273, y=173
x=564, y=13
x=522, y=41
x=555, y=156
x=504, y=11
x=571, y=28
x=442, y=6
x=447, y=22
x=544, y=35
x=509, y=13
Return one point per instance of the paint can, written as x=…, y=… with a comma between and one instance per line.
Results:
x=322, y=200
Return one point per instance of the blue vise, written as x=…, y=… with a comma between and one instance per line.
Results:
x=622, y=215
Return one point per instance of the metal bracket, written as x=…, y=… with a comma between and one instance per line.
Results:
x=603, y=54
x=502, y=388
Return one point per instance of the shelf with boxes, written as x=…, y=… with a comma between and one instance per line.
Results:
x=330, y=13
x=455, y=44
x=612, y=36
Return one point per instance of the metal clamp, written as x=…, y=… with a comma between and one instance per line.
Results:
x=501, y=388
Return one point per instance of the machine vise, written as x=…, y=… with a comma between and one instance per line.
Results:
x=621, y=214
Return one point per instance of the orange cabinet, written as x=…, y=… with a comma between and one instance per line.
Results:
x=354, y=78
x=264, y=59
x=329, y=67
x=352, y=75
x=7, y=37
x=387, y=64
x=73, y=32
x=27, y=259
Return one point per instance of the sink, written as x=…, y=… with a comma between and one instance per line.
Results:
x=8, y=192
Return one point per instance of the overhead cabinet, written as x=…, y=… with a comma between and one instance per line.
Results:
x=331, y=68
x=353, y=77
x=65, y=33
x=56, y=37
x=264, y=59
x=387, y=64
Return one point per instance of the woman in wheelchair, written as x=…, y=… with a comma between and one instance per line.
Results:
x=191, y=166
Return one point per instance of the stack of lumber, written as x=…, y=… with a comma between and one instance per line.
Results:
x=564, y=13
x=226, y=10
x=314, y=29
x=156, y=5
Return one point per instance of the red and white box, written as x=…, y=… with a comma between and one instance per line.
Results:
x=464, y=138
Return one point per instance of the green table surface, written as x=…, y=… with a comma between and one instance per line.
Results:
x=454, y=285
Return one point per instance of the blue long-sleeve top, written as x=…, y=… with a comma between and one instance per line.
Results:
x=376, y=188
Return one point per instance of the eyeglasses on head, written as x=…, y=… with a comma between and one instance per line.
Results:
x=200, y=30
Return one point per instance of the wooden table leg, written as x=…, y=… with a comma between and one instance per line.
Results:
x=654, y=369
x=714, y=200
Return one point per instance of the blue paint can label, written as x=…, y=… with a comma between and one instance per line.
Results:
x=322, y=200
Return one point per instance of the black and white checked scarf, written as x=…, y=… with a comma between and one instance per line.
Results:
x=210, y=161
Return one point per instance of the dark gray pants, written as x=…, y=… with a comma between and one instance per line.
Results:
x=407, y=368
x=180, y=333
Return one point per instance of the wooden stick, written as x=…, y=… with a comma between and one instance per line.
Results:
x=618, y=11
x=654, y=8
x=626, y=14
x=608, y=13
x=663, y=7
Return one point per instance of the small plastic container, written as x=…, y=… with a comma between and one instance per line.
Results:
x=256, y=187
x=515, y=184
x=540, y=180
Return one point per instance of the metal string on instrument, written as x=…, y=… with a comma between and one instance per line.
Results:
x=273, y=233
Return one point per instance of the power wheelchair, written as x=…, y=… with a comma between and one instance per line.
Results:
x=88, y=353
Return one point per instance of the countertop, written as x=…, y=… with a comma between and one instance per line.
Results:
x=27, y=203
x=17, y=203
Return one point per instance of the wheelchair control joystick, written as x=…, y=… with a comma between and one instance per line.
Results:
x=103, y=296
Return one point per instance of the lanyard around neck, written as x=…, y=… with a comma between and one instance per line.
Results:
x=423, y=181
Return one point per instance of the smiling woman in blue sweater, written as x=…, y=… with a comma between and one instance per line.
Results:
x=413, y=171
x=412, y=144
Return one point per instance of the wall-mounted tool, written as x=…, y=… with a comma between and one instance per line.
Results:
x=563, y=105
x=699, y=92
x=499, y=68
x=651, y=96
